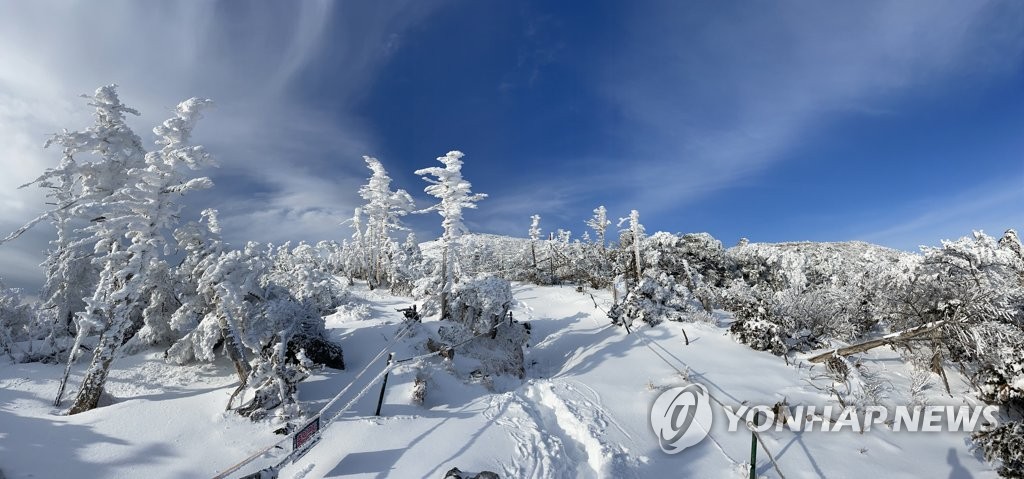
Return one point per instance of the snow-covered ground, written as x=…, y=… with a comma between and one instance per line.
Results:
x=582, y=411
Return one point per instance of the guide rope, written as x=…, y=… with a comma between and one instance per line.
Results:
x=350, y=403
x=225, y=473
x=647, y=342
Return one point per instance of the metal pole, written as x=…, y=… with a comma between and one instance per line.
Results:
x=384, y=385
x=753, y=448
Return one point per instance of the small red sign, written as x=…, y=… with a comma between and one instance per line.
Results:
x=308, y=434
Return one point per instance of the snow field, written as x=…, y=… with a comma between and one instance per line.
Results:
x=581, y=412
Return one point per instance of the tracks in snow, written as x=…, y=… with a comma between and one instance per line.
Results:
x=560, y=432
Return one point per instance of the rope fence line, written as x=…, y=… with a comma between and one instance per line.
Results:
x=224, y=474
x=392, y=365
x=647, y=342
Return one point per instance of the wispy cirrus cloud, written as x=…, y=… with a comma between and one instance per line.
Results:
x=286, y=160
x=991, y=208
x=716, y=96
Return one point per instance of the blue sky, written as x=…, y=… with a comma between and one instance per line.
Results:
x=899, y=123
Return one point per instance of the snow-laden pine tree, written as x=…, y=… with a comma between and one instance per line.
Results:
x=307, y=275
x=68, y=270
x=534, y=237
x=77, y=192
x=635, y=235
x=454, y=194
x=406, y=265
x=142, y=211
x=384, y=209
x=214, y=285
x=599, y=223
x=16, y=322
x=355, y=251
x=82, y=192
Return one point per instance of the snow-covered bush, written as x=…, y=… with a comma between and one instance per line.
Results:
x=706, y=256
x=480, y=303
x=1002, y=381
x=1003, y=444
x=759, y=334
x=272, y=337
x=480, y=320
x=655, y=299
x=287, y=337
x=495, y=354
x=406, y=266
x=307, y=275
x=17, y=321
x=668, y=288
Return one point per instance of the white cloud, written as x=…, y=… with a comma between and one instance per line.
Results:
x=288, y=168
x=992, y=208
x=718, y=96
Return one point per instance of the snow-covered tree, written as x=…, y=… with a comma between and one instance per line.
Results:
x=384, y=209
x=142, y=211
x=599, y=223
x=272, y=337
x=307, y=275
x=16, y=321
x=68, y=270
x=79, y=192
x=635, y=235
x=534, y=237
x=406, y=266
x=669, y=288
x=454, y=194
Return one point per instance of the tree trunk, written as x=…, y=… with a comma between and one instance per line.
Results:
x=92, y=386
x=891, y=338
x=551, y=259
x=636, y=254
x=82, y=333
x=96, y=377
x=444, y=283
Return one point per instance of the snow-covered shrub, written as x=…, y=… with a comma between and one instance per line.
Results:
x=17, y=321
x=272, y=337
x=865, y=386
x=1003, y=444
x=810, y=317
x=706, y=255
x=668, y=288
x=160, y=307
x=352, y=312
x=655, y=299
x=496, y=354
x=1002, y=381
x=479, y=318
x=287, y=337
x=307, y=275
x=406, y=266
x=759, y=334
x=480, y=303
x=427, y=289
